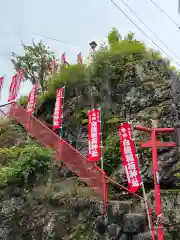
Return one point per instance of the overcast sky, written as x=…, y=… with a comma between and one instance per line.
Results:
x=78, y=22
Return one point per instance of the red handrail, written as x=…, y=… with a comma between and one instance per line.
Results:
x=74, y=160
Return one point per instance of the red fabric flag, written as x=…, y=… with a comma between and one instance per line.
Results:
x=94, y=135
x=63, y=59
x=129, y=157
x=20, y=75
x=1, y=84
x=32, y=99
x=12, y=95
x=58, y=110
x=15, y=85
x=79, y=58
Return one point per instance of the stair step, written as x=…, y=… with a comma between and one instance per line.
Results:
x=143, y=236
x=120, y=202
x=134, y=222
x=118, y=207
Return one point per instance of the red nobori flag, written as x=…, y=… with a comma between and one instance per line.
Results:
x=94, y=135
x=129, y=157
x=32, y=100
x=15, y=85
x=1, y=84
x=79, y=58
x=63, y=59
x=58, y=110
x=12, y=89
x=20, y=75
x=53, y=66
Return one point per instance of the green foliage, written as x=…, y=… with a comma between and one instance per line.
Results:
x=23, y=101
x=110, y=63
x=4, y=122
x=72, y=77
x=35, y=61
x=28, y=163
x=8, y=155
x=130, y=37
x=81, y=116
x=114, y=37
x=112, y=157
x=114, y=119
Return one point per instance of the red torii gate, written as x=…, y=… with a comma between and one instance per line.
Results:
x=154, y=144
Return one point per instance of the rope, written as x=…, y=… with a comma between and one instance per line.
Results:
x=121, y=186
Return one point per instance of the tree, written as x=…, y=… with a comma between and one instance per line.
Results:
x=35, y=61
x=130, y=37
x=114, y=37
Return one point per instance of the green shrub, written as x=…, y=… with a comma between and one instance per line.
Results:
x=71, y=77
x=8, y=155
x=23, y=101
x=31, y=163
x=112, y=157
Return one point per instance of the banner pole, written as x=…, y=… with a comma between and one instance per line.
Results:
x=143, y=189
x=61, y=128
x=62, y=116
x=102, y=168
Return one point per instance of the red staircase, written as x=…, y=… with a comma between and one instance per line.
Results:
x=74, y=160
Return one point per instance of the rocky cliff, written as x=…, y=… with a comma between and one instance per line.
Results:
x=64, y=209
x=145, y=94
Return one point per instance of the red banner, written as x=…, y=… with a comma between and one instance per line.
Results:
x=53, y=66
x=1, y=84
x=20, y=75
x=15, y=85
x=79, y=58
x=94, y=135
x=12, y=89
x=129, y=157
x=32, y=100
x=63, y=59
x=58, y=110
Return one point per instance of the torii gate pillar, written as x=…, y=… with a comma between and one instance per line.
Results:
x=154, y=144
